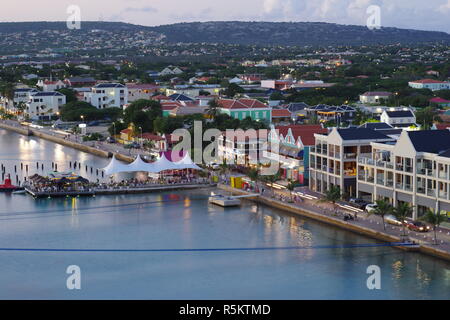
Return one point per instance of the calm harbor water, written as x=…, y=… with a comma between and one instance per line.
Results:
x=184, y=220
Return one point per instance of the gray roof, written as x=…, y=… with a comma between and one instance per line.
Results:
x=376, y=125
x=109, y=85
x=48, y=94
x=432, y=141
x=400, y=114
x=361, y=134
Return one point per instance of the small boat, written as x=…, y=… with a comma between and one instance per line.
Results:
x=224, y=201
x=8, y=186
x=19, y=191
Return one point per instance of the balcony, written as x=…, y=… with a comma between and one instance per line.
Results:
x=443, y=195
x=431, y=193
x=350, y=156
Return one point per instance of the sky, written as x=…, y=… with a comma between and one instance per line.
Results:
x=412, y=14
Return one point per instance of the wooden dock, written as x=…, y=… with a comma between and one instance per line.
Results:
x=124, y=190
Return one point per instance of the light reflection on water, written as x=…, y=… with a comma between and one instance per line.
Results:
x=186, y=220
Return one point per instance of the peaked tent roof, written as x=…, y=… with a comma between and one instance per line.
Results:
x=115, y=166
x=187, y=163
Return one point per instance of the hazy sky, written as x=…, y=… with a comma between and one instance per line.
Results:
x=415, y=14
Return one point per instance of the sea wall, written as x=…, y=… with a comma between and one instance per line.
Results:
x=429, y=250
x=62, y=141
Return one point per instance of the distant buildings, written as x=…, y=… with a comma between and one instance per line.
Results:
x=399, y=119
x=243, y=108
x=141, y=91
x=374, y=97
x=431, y=84
x=44, y=104
x=107, y=95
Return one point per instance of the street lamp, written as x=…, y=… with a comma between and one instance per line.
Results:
x=140, y=128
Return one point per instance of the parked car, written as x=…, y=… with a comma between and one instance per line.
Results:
x=358, y=203
x=417, y=226
x=371, y=207
x=214, y=166
x=132, y=145
x=111, y=140
x=392, y=220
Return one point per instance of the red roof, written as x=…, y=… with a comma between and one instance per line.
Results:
x=241, y=104
x=126, y=131
x=442, y=126
x=305, y=132
x=280, y=113
x=439, y=100
x=160, y=97
x=152, y=137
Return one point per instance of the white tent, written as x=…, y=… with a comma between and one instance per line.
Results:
x=115, y=166
x=163, y=164
x=140, y=166
x=187, y=163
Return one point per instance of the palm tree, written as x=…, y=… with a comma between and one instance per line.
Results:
x=213, y=108
x=272, y=179
x=332, y=195
x=383, y=208
x=253, y=174
x=402, y=211
x=291, y=186
x=7, y=91
x=435, y=219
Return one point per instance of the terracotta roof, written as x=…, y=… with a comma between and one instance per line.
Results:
x=160, y=97
x=152, y=137
x=241, y=104
x=442, y=126
x=126, y=131
x=305, y=132
x=280, y=113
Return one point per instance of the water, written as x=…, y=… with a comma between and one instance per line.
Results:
x=177, y=220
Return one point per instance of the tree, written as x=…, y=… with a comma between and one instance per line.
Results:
x=427, y=116
x=291, y=187
x=7, y=91
x=71, y=95
x=383, y=208
x=435, y=219
x=401, y=212
x=253, y=174
x=332, y=195
x=213, y=108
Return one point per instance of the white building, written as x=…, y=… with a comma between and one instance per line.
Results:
x=374, y=97
x=333, y=160
x=415, y=170
x=47, y=85
x=107, y=95
x=44, y=104
x=431, y=84
x=399, y=118
x=171, y=71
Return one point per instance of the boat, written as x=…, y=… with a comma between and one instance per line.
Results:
x=224, y=201
x=8, y=186
x=19, y=191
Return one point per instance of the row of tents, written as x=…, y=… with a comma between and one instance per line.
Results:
x=139, y=165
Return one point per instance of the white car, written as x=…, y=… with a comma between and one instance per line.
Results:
x=392, y=220
x=371, y=207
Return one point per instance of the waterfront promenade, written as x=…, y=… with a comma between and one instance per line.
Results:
x=364, y=224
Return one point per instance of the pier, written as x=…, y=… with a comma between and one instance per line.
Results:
x=114, y=191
